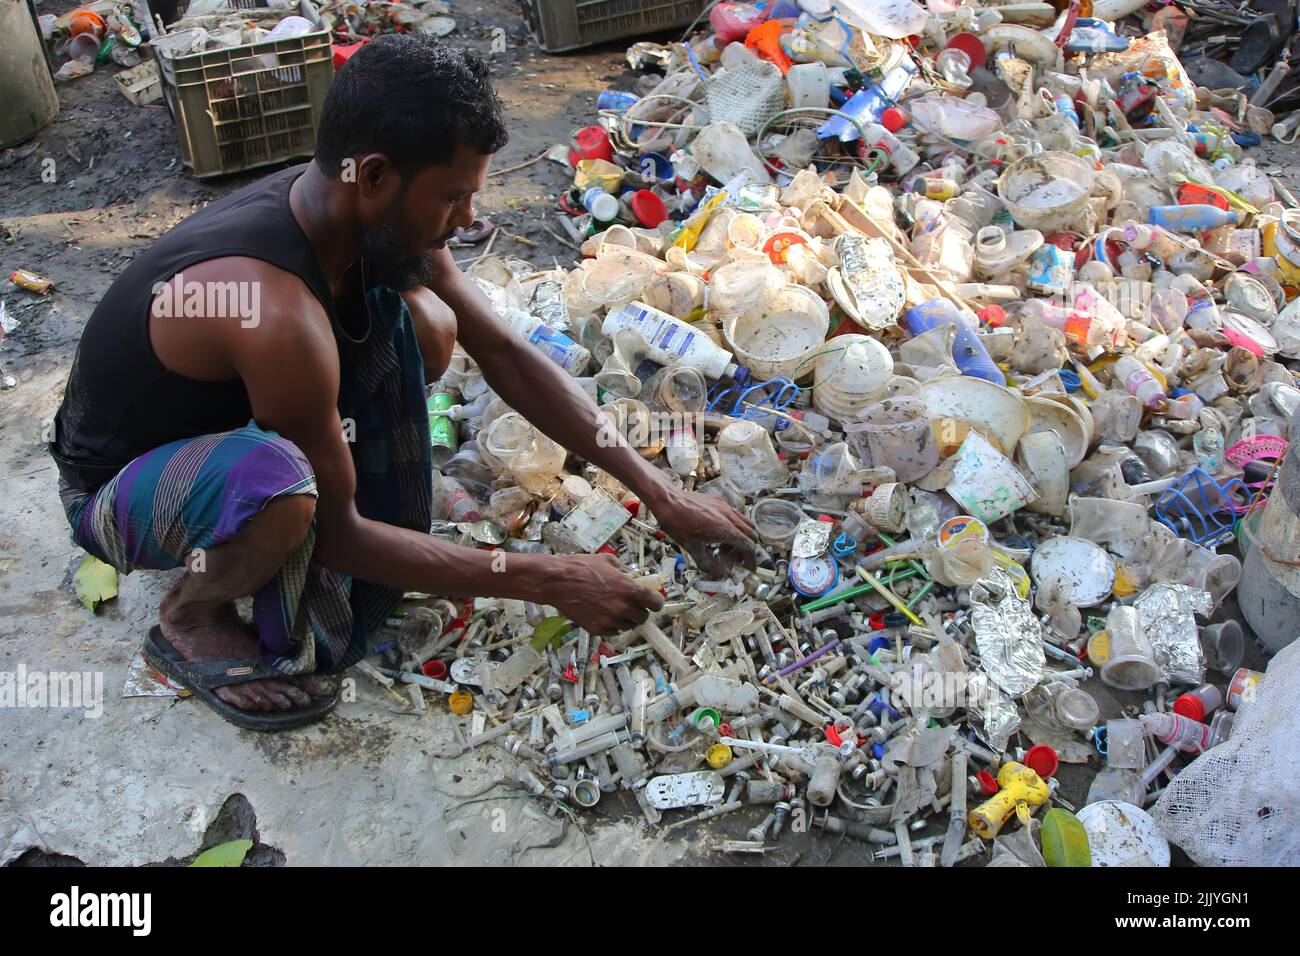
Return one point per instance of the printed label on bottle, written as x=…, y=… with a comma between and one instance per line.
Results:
x=560, y=349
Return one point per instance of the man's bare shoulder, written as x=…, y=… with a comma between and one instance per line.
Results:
x=244, y=294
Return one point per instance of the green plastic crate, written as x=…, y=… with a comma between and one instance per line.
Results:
x=561, y=25
x=248, y=106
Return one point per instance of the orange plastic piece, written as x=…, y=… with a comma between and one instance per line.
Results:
x=765, y=40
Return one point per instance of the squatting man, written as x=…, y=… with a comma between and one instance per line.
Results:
x=205, y=432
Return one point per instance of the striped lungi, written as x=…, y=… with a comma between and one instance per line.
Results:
x=197, y=493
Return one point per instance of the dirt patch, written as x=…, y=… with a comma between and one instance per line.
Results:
x=337, y=740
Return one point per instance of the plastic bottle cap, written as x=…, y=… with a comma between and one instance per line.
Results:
x=994, y=316
x=649, y=208
x=1042, y=760
x=894, y=119
x=1190, y=706
x=988, y=783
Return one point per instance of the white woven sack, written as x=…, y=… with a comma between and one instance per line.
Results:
x=1238, y=804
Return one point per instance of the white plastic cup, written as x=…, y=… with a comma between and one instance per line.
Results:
x=1130, y=662
x=810, y=85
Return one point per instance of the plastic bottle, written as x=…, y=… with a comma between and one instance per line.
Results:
x=1192, y=218
x=556, y=346
x=1202, y=313
x=683, y=451
x=1175, y=730
x=1195, y=704
x=901, y=156
x=1208, y=446
x=672, y=341
x=451, y=502
x=933, y=188
x=1139, y=381
x=968, y=351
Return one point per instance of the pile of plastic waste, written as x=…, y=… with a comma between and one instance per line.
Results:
x=982, y=316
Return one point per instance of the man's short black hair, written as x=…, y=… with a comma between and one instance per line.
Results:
x=413, y=98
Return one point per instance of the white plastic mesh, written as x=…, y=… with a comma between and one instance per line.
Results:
x=748, y=96
x=1238, y=804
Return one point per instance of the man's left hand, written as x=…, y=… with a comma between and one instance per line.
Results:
x=714, y=534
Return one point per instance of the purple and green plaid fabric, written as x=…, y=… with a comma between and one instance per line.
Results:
x=200, y=492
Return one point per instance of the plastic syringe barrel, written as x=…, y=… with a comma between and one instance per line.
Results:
x=968, y=351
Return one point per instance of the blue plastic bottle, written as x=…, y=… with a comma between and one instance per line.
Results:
x=968, y=351
x=1191, y=218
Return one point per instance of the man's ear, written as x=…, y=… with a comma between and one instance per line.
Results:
x=376, y=175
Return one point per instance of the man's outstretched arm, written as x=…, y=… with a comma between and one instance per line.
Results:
x=289, y=364
x=528, y=382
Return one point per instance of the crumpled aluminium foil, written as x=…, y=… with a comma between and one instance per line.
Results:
x=1008, y=635
x=997, y=716
x=1168, y=615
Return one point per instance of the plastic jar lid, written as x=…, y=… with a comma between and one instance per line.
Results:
x=813, y=577
x=1077, y=709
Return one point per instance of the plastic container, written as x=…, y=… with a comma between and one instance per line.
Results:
x=602, y=205
x=969, y=354
x=810, y=85
x=677, y=388
x=723, y=152
x=740, y=287
x=780, y=337
x=1048, y=192
x=1196, y=704
x=248, y=106
x=985, y=482
x=1077, y=709
x=776, y=520
x=530, y=457
x=851, y=373
x=1243, y=687
x=671, y=341
x=748, y=459
x=1000, y=413
x=1223, y=645
x=896, y=433
x=1130, y=661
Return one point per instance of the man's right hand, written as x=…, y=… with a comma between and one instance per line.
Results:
x=596, y=594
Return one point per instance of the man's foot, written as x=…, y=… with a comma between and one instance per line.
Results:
x=215, y=633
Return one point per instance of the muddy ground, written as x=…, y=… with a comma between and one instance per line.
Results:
x=156, y=781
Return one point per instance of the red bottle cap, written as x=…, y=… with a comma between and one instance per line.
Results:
x=988, y=783
x=994, y=316
x=893, y=119
x=1190, y=706
x=649, y=208
x=1042, y=760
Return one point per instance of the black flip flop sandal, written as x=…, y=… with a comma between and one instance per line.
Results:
x=201, y=678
